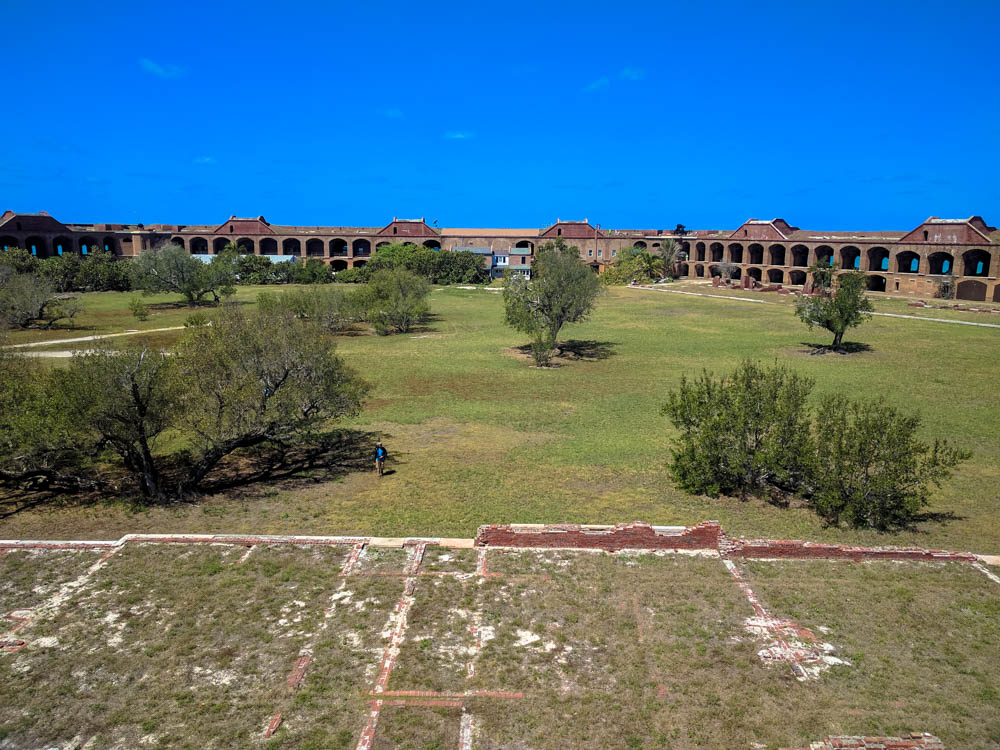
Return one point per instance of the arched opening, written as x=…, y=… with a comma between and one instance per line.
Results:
x=639, y=245
x=219, y=244
x=245, y=246
x=35, y=246
x=361, y=247
x=735, y=253
x=360, y=263
x=269, y=246
x=977, y=263
x=796, y=277
x=878, y=259
x=940, y=263
x=684, y=270
x=60, y=245
x=179, y=241
x=971, y=290
x=714, y=271
x=338, y=248
x=87, y=245
x=777, y=253
x=824, y=256
x=907, y=262
x=699, y=251
x=755, y=273
x=110, y=246
x=775, y=275
x=339, y=265
x=314, y=248
x=380, y=245
x=850, y=257
x=875, y=283
x=526, y=245
x=8, y=242
x=432, y=244
x=715, y=252
x=699, y=271
x=736, y=274
x=996, y=293
x=291, y=246
x=756, y=253
x=198, y=246
x=800, y=256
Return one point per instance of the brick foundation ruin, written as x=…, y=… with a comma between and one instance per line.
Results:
x=907, y=742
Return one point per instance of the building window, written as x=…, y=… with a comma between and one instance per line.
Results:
x=231, y=229
x=925, y=235
x=590, y=253
x=395, y=230
x=614, y=253
x=558, y=231
x=600, y=253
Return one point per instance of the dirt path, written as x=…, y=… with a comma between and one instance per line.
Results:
x=92, y=338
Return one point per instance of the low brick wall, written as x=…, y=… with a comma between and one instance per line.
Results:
x=636, y=535
x=782, y=549
x=907, y=742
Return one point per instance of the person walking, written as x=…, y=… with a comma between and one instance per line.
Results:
x=380, y=454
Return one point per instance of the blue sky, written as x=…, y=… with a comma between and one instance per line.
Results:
x=834, y=116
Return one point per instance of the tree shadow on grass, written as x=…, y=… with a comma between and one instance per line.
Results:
x=846, y=347
x=576, y=350
x=329, y=457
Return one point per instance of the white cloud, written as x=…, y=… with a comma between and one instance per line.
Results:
x=160, y=71
x=601, y=83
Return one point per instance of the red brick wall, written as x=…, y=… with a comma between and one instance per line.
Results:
x=636, y=535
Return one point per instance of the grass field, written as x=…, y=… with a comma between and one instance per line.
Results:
x=476, y=435
x=192, y=646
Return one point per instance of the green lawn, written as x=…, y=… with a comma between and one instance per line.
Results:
x=476, y=435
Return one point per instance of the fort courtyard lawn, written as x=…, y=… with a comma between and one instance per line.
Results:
x=476, y=435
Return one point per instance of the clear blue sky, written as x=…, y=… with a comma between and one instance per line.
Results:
x=845, y=115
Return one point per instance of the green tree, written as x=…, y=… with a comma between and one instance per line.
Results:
x=633, y=263
x=127, y=399
x=872, y=470
x=460, y=267
x=26, y=299
x=62, y=271
x=742, y=434
x=254, y=269
x=170, y=268
x=847, y=308
x=397, y=300
x=102, y=272
x=256, y=378
x=669, y=252
x=18, y=260
x=561, y=290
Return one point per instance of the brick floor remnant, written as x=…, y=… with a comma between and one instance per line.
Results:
x=789, y=641
x=635, y=535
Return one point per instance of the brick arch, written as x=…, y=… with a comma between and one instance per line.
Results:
x=800, y=256
x=971, y=290
x=907, y=261
x=850, y=257
x=775, y=276
x=776, y=254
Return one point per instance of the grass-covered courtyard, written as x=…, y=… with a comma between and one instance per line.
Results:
x=476, y=435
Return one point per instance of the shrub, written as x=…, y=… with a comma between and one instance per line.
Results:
x=742, y=434
x=140, y=310
x=398, y=300
x=871, y=468
x=352, y=275
x=196, y=319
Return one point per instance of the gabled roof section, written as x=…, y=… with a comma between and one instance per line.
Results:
x=762, y=229
x=571, y=230
x=39, y=222
x=236, y=225
x=972, y=230
x=408, y=228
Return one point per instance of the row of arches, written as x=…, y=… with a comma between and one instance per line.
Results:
x=41, y=247
x=975, y=262
x=313, y=247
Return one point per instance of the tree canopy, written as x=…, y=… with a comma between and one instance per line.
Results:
x=847, y=308
x=561, y=290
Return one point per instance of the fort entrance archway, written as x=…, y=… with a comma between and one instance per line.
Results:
x=971, y=290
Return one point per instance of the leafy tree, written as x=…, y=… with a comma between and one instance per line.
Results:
x=728, y=270
x=561, y=290
x=254, y=269
x=357, y=275
x=102, y=272
x=460, y=267
x=743, y=433
x=256, y=378
x=26, y=299
x=417, y=259
x=61, y=270
x=170, y=268
x=313, y=271
x=633, y=263
x=847, y=308
x=398, y=300
x=127, y=399
x=669, y=251
x=871, y=468
x=18, y=260
x=681, y=230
